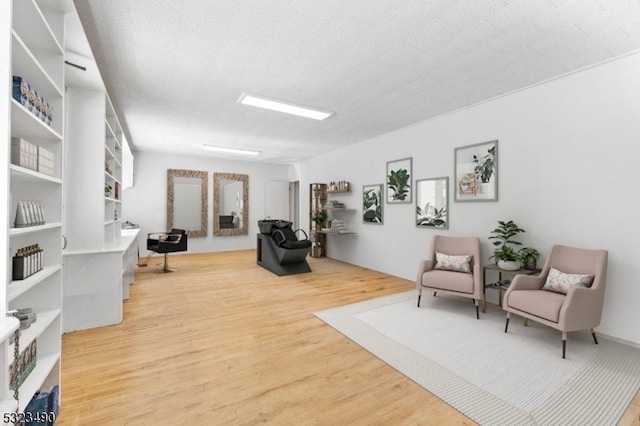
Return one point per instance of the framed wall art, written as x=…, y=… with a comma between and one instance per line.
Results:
x=399, y=181
x=372, y=211
x=432, y=203
x=476, y=172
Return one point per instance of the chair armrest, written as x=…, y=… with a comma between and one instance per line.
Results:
x=523, y=282
x=425, y=265
x=306, y=237
x=582, y=309
x=164, y=237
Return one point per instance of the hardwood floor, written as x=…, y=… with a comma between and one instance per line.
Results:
x=224, y=341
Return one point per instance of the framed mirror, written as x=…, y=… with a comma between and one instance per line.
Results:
x=187, y=200
x=230, y=204
x=432, y=203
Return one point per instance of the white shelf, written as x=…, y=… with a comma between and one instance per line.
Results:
x=7, y=326
x=26, y=65
x=25, y=125
x=36, y=379
x=35, y=53
x=30, y=22
x=33, y=229
x=21, y=174
x=109, y=153
x=43, y=321
x=16, y=288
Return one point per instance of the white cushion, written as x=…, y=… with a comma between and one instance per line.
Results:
x=453, y=263
x=561, y=282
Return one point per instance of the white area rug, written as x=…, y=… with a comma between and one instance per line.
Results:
x=492, y=377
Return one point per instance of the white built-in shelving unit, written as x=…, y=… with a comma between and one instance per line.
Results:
x=98, y=257
x=37, y=55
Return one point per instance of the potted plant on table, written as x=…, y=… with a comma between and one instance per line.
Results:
x=504, y=254
x=528, y=256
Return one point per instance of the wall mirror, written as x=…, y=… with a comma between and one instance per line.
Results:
x=432, y=203
x=230, y=204
x=187, y=200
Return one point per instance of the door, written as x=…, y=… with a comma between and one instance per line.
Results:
x=276, y=200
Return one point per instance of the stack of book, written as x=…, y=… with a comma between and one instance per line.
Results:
x=334, y=204
x=26, y=316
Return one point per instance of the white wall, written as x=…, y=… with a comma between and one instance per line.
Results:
x=146, y=202
x=569, y=173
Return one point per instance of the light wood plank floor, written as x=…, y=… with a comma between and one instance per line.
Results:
x=224, y=341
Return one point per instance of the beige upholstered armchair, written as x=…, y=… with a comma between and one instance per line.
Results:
x=452, y=267
x=567, y=295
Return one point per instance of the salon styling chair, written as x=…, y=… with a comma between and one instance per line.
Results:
x=165, y=243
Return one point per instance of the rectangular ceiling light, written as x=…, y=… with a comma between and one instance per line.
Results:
x=230, y=150
x=289, y=108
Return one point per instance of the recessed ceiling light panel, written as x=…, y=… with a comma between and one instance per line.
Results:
x=286, y=107
x=230, y=150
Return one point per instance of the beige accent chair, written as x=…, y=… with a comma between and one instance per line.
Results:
x=579, y=309
x=449, y=282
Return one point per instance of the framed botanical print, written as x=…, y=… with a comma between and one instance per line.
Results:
x=476, y=172
x=432, y=203
x=399, y=181
x=372, y=210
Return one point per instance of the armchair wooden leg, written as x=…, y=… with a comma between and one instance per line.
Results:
x=564, y=344
x=434, y=293
x=419, y=296
x=593, y=333
x=475, y=302
x=506, y=325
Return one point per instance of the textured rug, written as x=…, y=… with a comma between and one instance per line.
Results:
x=492, y=377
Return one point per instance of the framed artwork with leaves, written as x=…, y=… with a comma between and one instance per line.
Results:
x=399, y=181
x=372, y=211
x=432, y=203
x=476, y=172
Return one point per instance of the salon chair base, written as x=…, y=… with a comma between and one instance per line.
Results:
x=279, y=260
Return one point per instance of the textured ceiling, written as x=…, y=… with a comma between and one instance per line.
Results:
x=174, y=69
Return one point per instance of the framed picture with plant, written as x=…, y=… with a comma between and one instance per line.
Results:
x=432, y=203
x=476, y=172
x=399, y=181
x=372, y=202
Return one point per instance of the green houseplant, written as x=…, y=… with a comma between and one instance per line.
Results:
x=528, y=256
x=505, y=237
x=319, y=217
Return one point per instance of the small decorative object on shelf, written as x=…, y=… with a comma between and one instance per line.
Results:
x=29, y=213
x=26, y=316
x=46, y=159
x=29, y=98
x=25, y=364
x=31, y=156
x=26, y=262
x=334, y=204
x=340, y=186
x=24, y=153
x=21, y=91
x=107, y=189
x=338, y=226
x=529, y=256
x=43, y=407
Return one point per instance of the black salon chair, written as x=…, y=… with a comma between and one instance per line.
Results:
x=165, y=243
x=280, y=250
